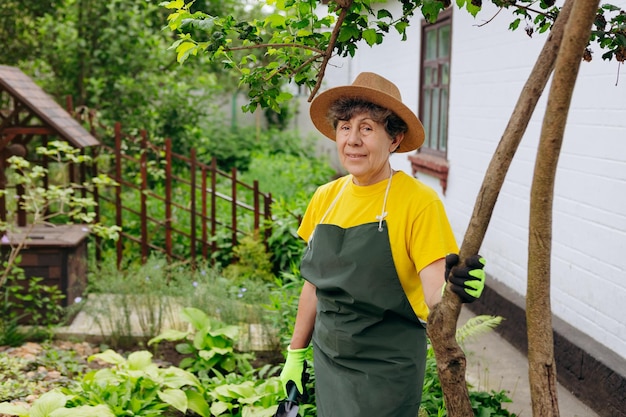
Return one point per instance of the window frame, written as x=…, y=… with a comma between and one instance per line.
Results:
x=445, y=18
x=426, y=160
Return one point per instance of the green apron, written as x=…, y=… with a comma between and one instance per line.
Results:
x=369, y=346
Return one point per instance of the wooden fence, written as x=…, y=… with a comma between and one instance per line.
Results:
x=184, y=217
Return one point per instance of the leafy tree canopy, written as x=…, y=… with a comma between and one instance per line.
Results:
x=113, y=58
x=299, y=37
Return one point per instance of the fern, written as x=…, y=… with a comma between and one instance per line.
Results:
x=476, y=326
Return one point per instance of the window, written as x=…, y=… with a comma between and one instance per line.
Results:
x=434, y=97
x=435, y=83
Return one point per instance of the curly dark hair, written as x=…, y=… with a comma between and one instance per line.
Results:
x=348, y=107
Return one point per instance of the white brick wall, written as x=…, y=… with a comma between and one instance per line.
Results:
x=489, y=68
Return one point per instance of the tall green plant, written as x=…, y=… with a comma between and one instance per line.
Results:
x=209, y=344
x=44, y=202
x=137, y=302
x=137, y=385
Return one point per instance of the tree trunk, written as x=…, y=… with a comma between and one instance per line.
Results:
x=451, y=361
x=542, y=367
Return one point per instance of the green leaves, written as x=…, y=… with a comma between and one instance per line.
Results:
x=210, y=345
x=52, y=404
x=287, y=45
x=137, y=384
x=47, y=404
x=45, y=202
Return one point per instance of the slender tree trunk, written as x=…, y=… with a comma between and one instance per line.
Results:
x=542, y=367
x=451, y=361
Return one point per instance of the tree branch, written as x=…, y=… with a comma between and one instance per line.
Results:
x=451, y=361
x=345, y=6
x=274, y=45
x=541, y=362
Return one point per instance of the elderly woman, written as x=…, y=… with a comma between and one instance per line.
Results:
x=375, y=261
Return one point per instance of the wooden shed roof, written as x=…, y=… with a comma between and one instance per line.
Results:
x=24, y=90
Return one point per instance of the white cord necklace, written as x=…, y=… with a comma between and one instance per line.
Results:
x=383, y=213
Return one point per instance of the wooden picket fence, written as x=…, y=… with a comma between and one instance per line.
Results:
x=184, y=217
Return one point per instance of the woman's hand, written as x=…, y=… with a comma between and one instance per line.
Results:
x=467, y=281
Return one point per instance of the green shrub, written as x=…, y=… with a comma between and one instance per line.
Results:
x=138, y=387
x=251, y=262
x=209, y=346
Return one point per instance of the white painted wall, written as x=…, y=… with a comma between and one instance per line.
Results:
x=490, y=65
x=489, y=68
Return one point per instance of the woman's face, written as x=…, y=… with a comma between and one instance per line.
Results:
x=364, y=148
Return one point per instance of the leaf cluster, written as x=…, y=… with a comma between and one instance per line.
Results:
x=298, y=39
x=608, y=32
x=295, y=39
x=209, y=345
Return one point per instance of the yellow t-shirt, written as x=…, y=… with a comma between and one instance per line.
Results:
x=419, y=231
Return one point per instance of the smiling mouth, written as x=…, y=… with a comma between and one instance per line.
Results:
x=352, y=156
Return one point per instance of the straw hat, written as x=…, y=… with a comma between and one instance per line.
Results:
x=378, y=90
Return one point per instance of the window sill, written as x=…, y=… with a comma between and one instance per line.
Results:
x=434, y=166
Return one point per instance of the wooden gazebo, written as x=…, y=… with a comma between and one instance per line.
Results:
x=29, y=116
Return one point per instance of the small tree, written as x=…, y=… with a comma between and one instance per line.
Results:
x=45, y=204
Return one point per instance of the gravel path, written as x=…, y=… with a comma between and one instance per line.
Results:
x=32, y=369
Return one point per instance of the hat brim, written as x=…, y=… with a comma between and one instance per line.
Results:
x=414, y=136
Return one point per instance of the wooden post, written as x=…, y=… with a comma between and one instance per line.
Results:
x=213, y=204
x=168, y=198
x=204, y=214
x=192, y=232
x=96, y=198
x=268, y=216
x=257, y=208
x=233, y=221
x=118, y=190
x=21, y=214
x=144, y=206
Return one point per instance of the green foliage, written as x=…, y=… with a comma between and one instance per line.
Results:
x=144, y=300
x=52, y=404
x=236, y=396
x=76, y=48
x=112, y=58
x=44, y=202
x=284, y=243
x=610, y=32
x=233, y=387
x=137, y=300
x=233, y=148
x=209, y=344
x=47, y=197
x=18, y=23
x=137, y=386
x=476, y=326
x=288, y=166
x=294, y=37
x=488, y=404
x=298, y=40
x=29, y=297
x=20, y=377
x=60, y=197
x=252, y=262
x=13, y=384
x=283, y=303
x=10, y=332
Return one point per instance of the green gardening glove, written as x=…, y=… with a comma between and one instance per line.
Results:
x=467, y=281
x=293, y=370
